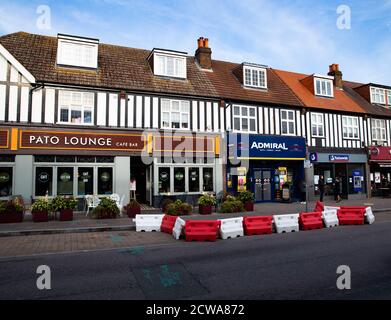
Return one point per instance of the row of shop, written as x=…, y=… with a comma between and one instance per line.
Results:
x=37, y=162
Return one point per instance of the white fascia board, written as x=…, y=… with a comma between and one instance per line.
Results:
x=6, y=54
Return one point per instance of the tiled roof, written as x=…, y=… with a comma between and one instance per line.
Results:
x=349, y=87
x=229, y=86
x=341, y=101
x=118, y=67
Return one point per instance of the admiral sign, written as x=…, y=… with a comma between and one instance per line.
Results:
x=266, y=147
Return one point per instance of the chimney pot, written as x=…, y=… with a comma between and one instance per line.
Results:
x=337, y=74
x=206, y=43
x=200, y=42
x=203, y=54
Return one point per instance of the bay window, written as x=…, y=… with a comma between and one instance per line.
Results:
x=175, y=114
x=76, y=107
x=378, y=129
x=244, y=118
x=317, y=125
x=288, y=122
x=350, y=127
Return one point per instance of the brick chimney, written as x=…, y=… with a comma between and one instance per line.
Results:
x=337, y=74
x=203, y=53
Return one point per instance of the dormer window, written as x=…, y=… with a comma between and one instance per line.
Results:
x=254, y=77
x=324, y=87
x=169, y=63
x=77, y=52
x=378, y=95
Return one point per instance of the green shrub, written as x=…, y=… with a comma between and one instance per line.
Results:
x=107, y=208
x=60, y=203
x=207, y=200
x=132, y=204
x=10, y=206
x=232, y=205
x=41, y=204
x=246, y=196
x=179, y=208
x=165, y=203
x=2, y=206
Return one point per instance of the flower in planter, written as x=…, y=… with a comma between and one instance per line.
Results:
x=246, y=196
x=207, y=200
x=41, y=205
x=62, y=203
x=179, y=208
x=232, y=204
x=132, y=208
x=107, y=208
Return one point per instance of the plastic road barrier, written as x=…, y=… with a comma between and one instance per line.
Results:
x=201, y=230
x=330, y=218
x=148, y=222
x=310, y=220
x=347, y=216
x=178, y=228
x=319, y=207
x=286, y=222
x=327, y=208
x=369, y=216
x=231, y=228
x=168, y=223
x=258, y=225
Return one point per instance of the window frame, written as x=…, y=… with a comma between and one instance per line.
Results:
x=347, y=126
x=317, y=124
x=258, y=70
x=247, y=117
x=164, y=73
x=288, y=121
x=171, y=111
x=12, y=166
x=380, y=92
x=72, y=62
x=327, y=81
x=382, y=129
x=74, y=107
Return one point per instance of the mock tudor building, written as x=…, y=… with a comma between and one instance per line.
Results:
x=79, y=117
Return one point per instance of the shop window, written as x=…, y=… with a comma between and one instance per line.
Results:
x=288, y=122
x=86, y=159
x=207, y=178
x=105, y=159
x=317, y=125
x=7, y=158
x=5, y=181
x=105, y=180
x=194, y=180
x=164, y=180
x=378, y=129
x=244, y=119
x=65, y=181
x=350, y=127
x=76, y=107
x=175, y=114
x=179, y=180
x=43, y=181
x=65, y=159
x=44, y=158
x=85, y=181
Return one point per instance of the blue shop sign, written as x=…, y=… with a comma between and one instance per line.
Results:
x=266, y=147
x=339, y=158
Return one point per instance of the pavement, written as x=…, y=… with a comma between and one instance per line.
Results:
x=300, y=265
x=82, y=224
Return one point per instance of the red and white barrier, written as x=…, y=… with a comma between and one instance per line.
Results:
x=231, y=228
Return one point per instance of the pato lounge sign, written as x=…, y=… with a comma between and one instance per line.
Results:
x=67, y=140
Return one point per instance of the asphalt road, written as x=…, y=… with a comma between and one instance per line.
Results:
x=279, y=266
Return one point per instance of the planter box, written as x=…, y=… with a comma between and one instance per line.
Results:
x=11, y=217
x=107, y=215
x=249, y=206
x=40, y=216
x=66, y=215
x=131, y=212
x=205, y=209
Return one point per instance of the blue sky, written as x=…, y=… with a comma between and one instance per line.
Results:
x=292, y=35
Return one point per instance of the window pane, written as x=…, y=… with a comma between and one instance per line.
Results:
x=284, y=127
x=87, y=116
x=5, y=181
x=252, y=124
x=85, y=181
x=247, y=77
x=64, y=115
x=328, y=88
x=255, y=78
x=262, y=80
x=252, y=112
x=185, y=121
x=185, y=106
x=283, y=115
x=165, y=105
x=175, y=119
x=236, y=111
x=314, y=131
x=105, y=180
x=244, y=111
x=164, y=180
x=43, y=181
x=65, y=181
x=179, y=179
x=237, y=124
x=290, y=115
x=75, y=116
x=170, y=66
x=320, y=129
x=323, y=87
x=291, y=128
x=194, y=179
x=244, y=124
x=76, y=98
x=166, y=120
x=207, y=179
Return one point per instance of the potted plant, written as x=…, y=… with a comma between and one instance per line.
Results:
x=64, y=205
x=165, y=203
x=247, y=199
x=40, y=210
x=231, y=204
x=11, y=211
x=178, y=208
x=107, y=209
x=132, y=208
x=205, y=204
